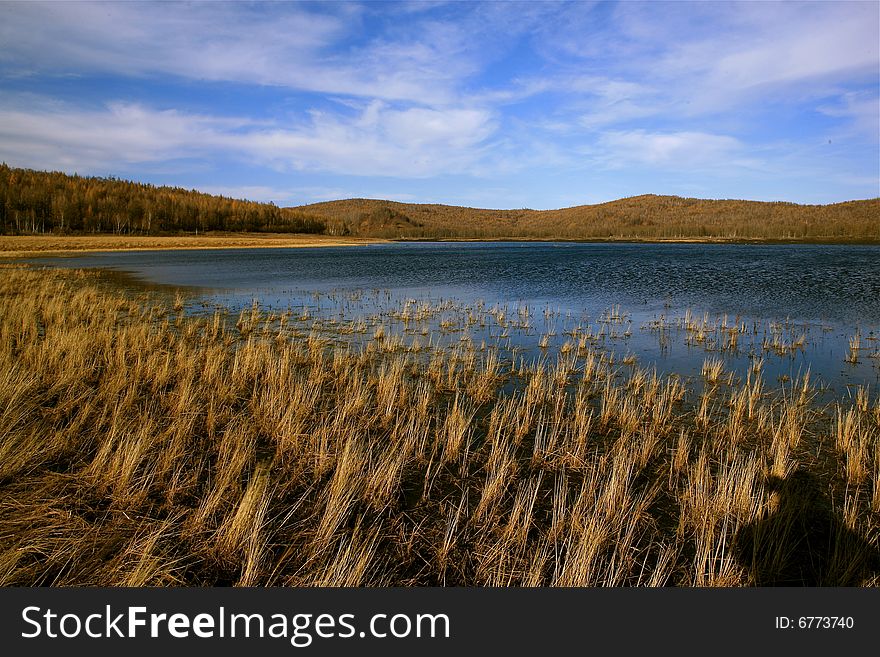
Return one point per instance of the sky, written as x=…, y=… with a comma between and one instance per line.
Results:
x=500, y=105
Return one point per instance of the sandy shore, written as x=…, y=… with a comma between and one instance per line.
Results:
x=29, y=246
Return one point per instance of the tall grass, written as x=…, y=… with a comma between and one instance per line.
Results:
x=143, y=446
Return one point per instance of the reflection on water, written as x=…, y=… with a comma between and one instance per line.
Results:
x=682, y=308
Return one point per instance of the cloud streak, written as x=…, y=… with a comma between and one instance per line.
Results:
x=485, y=95
x=281, y=44
x=674, y=150
x=379, y=141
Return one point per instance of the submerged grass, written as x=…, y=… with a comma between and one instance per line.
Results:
x=143, y=446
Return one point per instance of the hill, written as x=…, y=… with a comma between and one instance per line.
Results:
x=36, y=202
x=638, y=217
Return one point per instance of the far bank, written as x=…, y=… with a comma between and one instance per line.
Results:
x=15, y=246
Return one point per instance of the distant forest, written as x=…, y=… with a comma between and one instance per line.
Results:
x=646, y=217
x=34, y=202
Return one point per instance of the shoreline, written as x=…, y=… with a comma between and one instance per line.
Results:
x=649, y=240
x=29, y=246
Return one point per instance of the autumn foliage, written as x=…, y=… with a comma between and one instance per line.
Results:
x=34, y=202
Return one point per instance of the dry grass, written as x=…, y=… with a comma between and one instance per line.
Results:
x=143, y=446
x=31, y=245
x=854, y=347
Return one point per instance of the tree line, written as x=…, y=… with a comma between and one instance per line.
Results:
x=33, y=202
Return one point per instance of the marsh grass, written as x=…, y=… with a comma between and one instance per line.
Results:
x=855, y=344
x=144, y=446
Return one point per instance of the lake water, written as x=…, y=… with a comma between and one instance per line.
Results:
x=796, y=306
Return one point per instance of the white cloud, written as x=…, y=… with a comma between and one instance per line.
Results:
x=458, y=128
x=281, y=44
x=680, y=61
x=861, y=109
x=672, y=150
x=780, y=53
x=607, y=65
x=467, y=89
x=803, y=43
x=118, y=135
x=380, y=141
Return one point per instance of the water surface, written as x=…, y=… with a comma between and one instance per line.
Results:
x=817, y=297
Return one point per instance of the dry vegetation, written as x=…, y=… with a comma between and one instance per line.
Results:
x=41, y=202
x=144, y=446
x=52, y=203
x=35, y=245
x=647, y=217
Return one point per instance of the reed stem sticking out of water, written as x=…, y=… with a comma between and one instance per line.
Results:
x=145, y=446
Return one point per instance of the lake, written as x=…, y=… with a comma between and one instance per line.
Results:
x=669, y=306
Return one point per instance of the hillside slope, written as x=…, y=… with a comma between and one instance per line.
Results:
x=645, y=217
x=36, y=202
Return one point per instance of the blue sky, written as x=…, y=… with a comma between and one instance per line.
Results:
x=502, y=105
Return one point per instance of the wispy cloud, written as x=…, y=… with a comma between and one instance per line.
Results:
x=381, y=141
x=860, y=109
x=686, y=59
x=412, y=143
x=467, y=94
x=281, y=44
x=120, y=134
x=672, y=150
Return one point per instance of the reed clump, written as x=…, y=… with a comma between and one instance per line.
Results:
x=142, y=445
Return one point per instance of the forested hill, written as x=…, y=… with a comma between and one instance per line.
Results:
x=638, y=217
x=40, y=202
